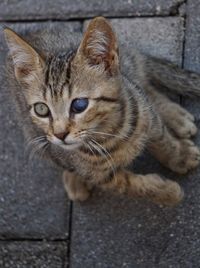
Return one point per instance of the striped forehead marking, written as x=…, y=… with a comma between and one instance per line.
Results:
x=57, y=74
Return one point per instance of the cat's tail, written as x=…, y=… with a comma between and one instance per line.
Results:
x=169, y=78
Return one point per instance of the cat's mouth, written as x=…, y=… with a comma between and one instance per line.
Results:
x=68, y=145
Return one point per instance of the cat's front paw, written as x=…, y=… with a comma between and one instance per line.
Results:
x=185, y=157
x=79, y=195
x=75, y=188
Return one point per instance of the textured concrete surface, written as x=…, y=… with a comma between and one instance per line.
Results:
x=192, y=38
x=192, y=50
x=65, y=9
x=33, y=254
x=106, y=231
x=119, y=232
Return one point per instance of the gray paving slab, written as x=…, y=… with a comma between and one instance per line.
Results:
x=111, y=231
x=119, y=232
x=65, y=9
x=192, y=37
x=161, y=37
x=33, y=254
x=192, y=49
x=33, y=203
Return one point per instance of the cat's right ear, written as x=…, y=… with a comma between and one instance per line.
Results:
x=27, y=62
x=99, y=46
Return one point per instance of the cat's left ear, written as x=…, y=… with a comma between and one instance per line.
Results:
x=27, y=62
x=99, y=45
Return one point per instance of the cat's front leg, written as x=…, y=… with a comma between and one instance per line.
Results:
x=150, y=186
x=76, y=189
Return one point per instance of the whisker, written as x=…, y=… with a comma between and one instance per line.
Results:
x=35, y=140
x=37, y=145
x=104, y=153
x=104, y=149
x=90, y=148
x=109, y=134
x=86, y=143
x=98, y=149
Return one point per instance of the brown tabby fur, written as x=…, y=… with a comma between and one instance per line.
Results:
x=127, y=110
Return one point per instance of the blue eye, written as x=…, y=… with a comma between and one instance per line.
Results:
x=79, y=105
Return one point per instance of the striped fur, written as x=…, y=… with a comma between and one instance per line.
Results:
x=125, y=113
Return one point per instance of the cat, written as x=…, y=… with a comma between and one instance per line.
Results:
x=92, y=111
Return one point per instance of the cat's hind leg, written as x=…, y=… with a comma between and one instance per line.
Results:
x=170, y=139
x=150, y=186
x=179, y=155
x=175, y=117
x=179, y=120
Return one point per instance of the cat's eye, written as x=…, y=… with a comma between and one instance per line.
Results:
x=79, y=105
x=41, y=109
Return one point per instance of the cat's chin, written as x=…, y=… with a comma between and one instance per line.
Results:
x=70, y=146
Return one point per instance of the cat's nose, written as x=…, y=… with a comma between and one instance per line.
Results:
x=61, y=135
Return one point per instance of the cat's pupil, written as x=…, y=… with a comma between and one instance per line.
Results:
x=79, y=105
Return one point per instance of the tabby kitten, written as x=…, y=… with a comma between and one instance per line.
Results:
x=93, y=112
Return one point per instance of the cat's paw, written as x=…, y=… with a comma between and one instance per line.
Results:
x=76, y=189
x=181, y=122
x=170, y=194
x=79, y=195
x=186, y=157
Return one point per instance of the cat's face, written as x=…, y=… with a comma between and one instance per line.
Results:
x=73, y=97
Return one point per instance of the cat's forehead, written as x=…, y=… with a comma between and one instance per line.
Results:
x=64, y=79
x=57, y=74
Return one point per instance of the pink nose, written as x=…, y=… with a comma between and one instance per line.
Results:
x=62, y=135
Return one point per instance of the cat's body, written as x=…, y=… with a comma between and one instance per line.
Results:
x=126, y=112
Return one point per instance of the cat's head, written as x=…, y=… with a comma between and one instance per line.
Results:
x=73, y=96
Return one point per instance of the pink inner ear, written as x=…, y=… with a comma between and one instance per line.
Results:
x=24, y=71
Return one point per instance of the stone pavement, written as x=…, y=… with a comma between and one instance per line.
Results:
x=39, y=227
